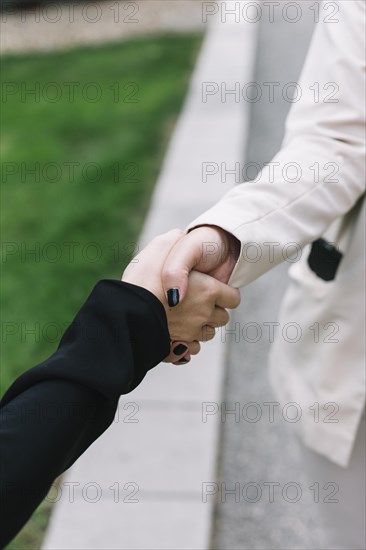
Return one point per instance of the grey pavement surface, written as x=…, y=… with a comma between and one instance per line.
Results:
x=261, y=451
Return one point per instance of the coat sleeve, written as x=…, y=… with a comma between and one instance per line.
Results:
x=56, y=410
x=319, y=173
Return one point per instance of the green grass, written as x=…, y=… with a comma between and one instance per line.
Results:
x=31, y=536
x=125, y=135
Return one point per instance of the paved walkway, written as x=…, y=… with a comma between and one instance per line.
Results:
x=263, y=452
x=62, y=25
x=139, y=487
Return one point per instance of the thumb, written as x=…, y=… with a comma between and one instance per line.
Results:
x=182, y=258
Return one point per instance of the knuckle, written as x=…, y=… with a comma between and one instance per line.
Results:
x=194, y=348
x=222, y=318
x=171, y=272
x=210, y=291
x=211, y=285
x=237, y=299
x=225, y=317
x=207, y=333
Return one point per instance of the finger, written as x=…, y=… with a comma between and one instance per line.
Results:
x=183, y=361
x=183, y=257
x=192, y=348
x=178, y=350
x=226, y=296
x=207, y=333
x=220, y=317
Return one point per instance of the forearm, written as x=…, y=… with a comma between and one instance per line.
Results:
x=117, y=336
x=319, y=174
x=273, y=218
x=53, y=412
x=43, y=431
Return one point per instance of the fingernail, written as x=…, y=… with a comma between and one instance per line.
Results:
x=173, y=297
x=180, y=349
x=182, y=361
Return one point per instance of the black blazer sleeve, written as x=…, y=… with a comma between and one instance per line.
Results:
x=54, y=411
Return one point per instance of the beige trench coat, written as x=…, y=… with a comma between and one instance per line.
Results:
x=315, y=187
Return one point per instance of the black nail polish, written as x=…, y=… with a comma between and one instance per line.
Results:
x=179, y=349
x=182, y=361
x=173, y=297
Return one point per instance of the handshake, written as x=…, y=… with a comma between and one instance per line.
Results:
x=188, y=273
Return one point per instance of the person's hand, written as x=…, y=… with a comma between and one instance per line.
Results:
x=145, y=268
x=208, y=249
x=203, y=309
x=145, y=271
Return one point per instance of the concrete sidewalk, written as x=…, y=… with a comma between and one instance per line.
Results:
x=264, y=452
x=139, y=487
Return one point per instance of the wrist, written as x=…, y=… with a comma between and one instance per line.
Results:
x=230, y=245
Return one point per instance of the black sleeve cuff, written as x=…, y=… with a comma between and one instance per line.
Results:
x=118, y=335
